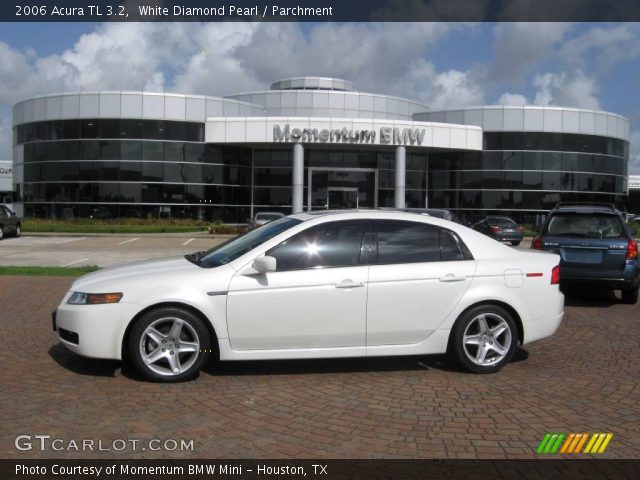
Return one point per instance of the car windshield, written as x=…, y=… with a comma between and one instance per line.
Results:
x=586, y=225
x=234, y=248
x=268, y=216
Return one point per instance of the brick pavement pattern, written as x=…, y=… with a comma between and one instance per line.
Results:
x=584, y=379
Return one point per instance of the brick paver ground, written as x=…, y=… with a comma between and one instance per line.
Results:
x=584, y=379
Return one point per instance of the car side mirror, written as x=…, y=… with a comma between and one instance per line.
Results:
x=633, y=232
x=264, y=264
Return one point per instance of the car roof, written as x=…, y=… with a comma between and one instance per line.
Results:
x=586, y=209
x=369, y=213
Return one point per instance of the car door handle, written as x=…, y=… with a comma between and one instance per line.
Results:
x=450, y=277
x=348, y=284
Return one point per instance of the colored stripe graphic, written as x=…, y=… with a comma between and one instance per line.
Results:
x=573, y=443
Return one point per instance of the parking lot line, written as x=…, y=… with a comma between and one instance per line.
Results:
x=188, y=241
x=130, y=240
x=73, y=263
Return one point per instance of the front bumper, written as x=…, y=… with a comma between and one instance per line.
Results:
x=94, y=331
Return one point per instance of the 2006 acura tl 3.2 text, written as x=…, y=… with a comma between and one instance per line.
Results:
x=319, y=285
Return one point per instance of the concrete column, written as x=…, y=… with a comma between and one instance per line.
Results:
x=401, y=174
x=298, y=178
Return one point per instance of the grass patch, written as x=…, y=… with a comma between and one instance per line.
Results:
x=125, y=225
x=47, y=271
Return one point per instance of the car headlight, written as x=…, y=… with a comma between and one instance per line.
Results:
x=79, y=298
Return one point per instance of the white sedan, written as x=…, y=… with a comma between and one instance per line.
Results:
x=319, y=285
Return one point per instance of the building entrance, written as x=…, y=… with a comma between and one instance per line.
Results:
x=341, y=188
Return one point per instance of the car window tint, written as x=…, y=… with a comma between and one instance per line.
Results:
x=334, y=244
x=449, y=247
x=584, y=225
x=406, y=242
x=500, y=221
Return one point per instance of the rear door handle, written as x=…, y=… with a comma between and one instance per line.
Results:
x=450, y=277
x=348, y=284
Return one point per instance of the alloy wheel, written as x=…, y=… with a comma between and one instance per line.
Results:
x=169, y=346
x=487, y=339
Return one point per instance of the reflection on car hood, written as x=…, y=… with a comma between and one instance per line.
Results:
x=138, y=271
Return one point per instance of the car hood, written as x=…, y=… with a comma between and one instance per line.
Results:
x=117, y=277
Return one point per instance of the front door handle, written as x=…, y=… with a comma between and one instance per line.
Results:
x=348, y=284
x=450, y=277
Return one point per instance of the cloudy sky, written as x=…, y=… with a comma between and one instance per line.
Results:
x=590, y=65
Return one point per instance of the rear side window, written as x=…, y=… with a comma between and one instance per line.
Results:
x=412, y=242
x=500, y=221
x=586, y=225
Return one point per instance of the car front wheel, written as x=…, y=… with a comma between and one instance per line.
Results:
x=169, y=345
x=485, y=338
x=18, y=231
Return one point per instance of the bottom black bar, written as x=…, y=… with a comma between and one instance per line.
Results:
x=318, y=469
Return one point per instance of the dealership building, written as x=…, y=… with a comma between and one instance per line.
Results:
x=305, y=144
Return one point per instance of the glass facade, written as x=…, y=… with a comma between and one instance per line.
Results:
x=135, y=167
x=527, y=173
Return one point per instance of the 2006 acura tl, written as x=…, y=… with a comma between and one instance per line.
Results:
x=319, y=285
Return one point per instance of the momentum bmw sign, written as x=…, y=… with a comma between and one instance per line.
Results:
x=385, y=136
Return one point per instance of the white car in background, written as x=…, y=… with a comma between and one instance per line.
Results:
x=319, y=285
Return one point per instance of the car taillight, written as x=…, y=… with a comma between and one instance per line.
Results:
x=632, y=250
x=555, y=275
x=520, y=229
x=495, y=229
x=537, y=243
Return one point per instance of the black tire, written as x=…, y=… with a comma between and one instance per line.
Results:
x=1, y=232
x=18, y=230
x=469, y=323
x=629, y=295
x=192, y=332
x=515, y=243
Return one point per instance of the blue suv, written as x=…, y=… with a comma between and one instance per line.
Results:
x=595, y=247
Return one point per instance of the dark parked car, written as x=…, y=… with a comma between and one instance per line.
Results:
x=10, y=223
x=502, y=229
x=263, y=218
x=595, y=246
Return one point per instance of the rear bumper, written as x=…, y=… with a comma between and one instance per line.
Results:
x=509, y=237
x=627, y=278
x=546, y=325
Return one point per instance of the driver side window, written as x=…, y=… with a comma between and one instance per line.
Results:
x=332, y=244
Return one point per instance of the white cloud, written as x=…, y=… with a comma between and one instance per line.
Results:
x=603, y=46
x=512, y=99
x=567, y=90
x=520, y=47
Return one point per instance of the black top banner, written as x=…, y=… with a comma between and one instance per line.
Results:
x=320, y=10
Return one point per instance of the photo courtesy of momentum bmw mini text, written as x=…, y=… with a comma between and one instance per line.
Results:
x=319, y=239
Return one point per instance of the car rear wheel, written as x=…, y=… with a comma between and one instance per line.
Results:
x=169, y=345
x=515, y=243
x=485, y=338
x=630, y=295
